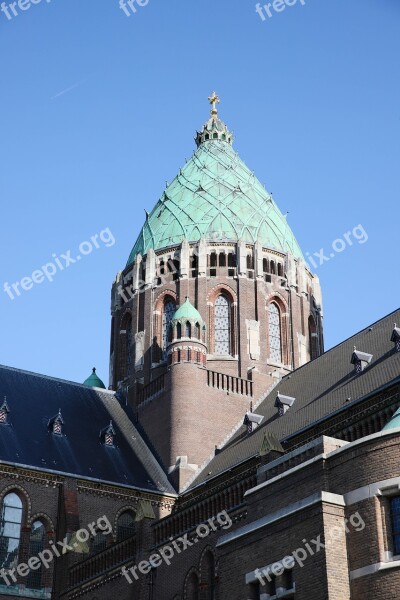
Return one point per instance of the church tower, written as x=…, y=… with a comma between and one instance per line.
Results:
x=215, y=305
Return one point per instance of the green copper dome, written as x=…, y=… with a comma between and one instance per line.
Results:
x=187, y=311
x=394, y=421
x=94, y=381
x=215, y=196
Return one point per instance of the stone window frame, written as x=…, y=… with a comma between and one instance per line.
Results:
x=158, y=312
x=384, y=496
x=27, y=520
x=229, y=293
x=284, y=327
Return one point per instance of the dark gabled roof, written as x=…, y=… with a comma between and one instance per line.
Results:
x=26, y=439
x=322, y=387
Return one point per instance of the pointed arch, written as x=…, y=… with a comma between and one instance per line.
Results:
x=192, y=585
x=208, y=573
x=274, y=332
x=277, y=330
x=222, y=324
x=12, y=513
x=126, y=525
x=37, y=543
x=164, y=310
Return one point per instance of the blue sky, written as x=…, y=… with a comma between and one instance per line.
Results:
x=99, y=110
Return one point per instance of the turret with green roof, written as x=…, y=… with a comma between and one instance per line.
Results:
x=94, y=381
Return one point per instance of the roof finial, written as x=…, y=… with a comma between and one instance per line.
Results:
x=214, y=100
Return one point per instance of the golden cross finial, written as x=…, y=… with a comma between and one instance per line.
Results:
x=214, y=100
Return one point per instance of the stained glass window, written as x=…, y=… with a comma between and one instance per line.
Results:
x=36, y=545
x=169, y=311
x=10, y=531
x=395, y=508
x=222, y=326
x=275, y=343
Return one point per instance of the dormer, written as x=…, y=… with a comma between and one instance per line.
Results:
x=283, y=403
x=252, y=420
x=396, y=338
x=360, y=360
x=56, y=424
x=107, y=435
x=4, y=411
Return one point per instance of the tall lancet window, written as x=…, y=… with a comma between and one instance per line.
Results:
x=36, y=545
x=222, y=326
x=10, y=531
x=168, y=313
x=275, y=338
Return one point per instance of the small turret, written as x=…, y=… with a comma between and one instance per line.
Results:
x=187, y=336
x=94, y=381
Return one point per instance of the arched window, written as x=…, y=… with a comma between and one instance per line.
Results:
x=274, y=328
x=208, y=575
x=188, y=330
x=10, y=531
x=168, y=313
x=265, y=265
x=36, y=545
x=222, y=259
x=273, y=267
x=178, y=331
x=222, y=326
x=126, y=526
x=99, y=542
x=193, y=587
x=198, y=331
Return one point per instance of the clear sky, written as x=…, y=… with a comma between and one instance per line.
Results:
x=99, y=110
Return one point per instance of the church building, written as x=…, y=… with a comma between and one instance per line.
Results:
x=230, y=458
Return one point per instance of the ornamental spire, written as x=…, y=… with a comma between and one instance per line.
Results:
x=214, y=100
x=214, y=128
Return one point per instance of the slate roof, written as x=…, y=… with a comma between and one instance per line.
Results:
x=321, y=388
x=26, y=440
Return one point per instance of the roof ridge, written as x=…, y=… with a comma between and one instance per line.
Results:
x=307, y=364
x=138, y=445
x=52, y=378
